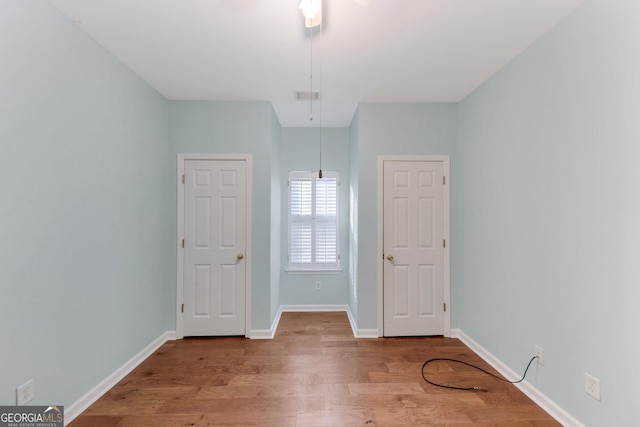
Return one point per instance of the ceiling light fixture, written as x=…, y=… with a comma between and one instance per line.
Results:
x=312, y=11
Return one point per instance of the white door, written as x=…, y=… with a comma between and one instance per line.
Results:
x=215, y=216
x=413, y=245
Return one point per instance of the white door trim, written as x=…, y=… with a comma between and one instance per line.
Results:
x=447, y=236
x=182, y=158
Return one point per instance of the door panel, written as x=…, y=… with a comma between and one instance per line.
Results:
x=215, y=242
x=413, y=233
x=426, y=290
x=202, y=290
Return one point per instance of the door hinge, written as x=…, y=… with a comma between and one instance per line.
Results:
x=183, y=179
x=182, y=243
x=444, y=305
x=444, y=243
x=183, y=308
x=444, y=180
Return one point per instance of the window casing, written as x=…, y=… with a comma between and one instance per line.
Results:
x=313, y=221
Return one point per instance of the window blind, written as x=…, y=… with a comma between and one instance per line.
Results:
x=313, y=221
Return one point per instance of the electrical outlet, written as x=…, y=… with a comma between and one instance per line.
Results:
x=539, y=353
x=24, y=393
x=592, y=386
x=318, y=286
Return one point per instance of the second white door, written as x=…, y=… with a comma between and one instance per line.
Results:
x=215, y=224
x=413, y=245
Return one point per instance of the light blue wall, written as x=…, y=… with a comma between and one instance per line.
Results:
x=547, y=222
x=84, y=277
x=353, y=213
x=300, y=152
x=276, y=197
x=233, y=128
x=390, y=129
x=544, y=206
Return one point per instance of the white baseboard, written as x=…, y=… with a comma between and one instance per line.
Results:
x=529, y=390
x=360, y=333
x=266, y=334
x=72, y=411
x=357, y=333
x=75, y=409
x=328, y=307
x=262, y=334
x=270, y=333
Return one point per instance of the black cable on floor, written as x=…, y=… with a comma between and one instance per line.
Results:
x=473, y=366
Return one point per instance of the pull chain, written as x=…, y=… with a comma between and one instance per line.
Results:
x=311, y=74
x=321, y=64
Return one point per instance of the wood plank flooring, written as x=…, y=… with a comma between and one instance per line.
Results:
x=313, y=374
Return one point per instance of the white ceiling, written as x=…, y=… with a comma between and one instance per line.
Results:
x=368, y=51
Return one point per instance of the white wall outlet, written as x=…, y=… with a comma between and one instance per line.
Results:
x=592, y=386
x=539, y=353
x=25, y=393
x=318, y=286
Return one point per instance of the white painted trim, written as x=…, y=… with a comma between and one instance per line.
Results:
x=310, y=307
x=357, y=333
x=352, y=322
x=181, y=158
x=270, y=333
x=552, y=408
x=447, y=235
x=293, y=272
x=266, y=334
x=72, y=411
x=179, y=252
x=366, y=333
x=360, y=333
x=262, y=334
x=248, y=277
x=447, y=249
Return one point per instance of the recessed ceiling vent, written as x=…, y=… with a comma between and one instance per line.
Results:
x=306, y=95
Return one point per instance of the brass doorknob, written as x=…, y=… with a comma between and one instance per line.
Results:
x=390, y=257
x=240, y=256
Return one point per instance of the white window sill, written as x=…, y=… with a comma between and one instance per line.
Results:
x=314, y=271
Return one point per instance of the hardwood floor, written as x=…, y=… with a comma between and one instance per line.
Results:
x=314, y=373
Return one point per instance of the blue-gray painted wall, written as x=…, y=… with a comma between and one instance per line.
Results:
x=85, y=282
x=547, y=212
x=301, y=152
x=200, y=127
x=354, y=140
x=276, y=213
x=390, y=129
x=544, y=205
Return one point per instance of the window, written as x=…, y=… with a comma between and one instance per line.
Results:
x=313, y=221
